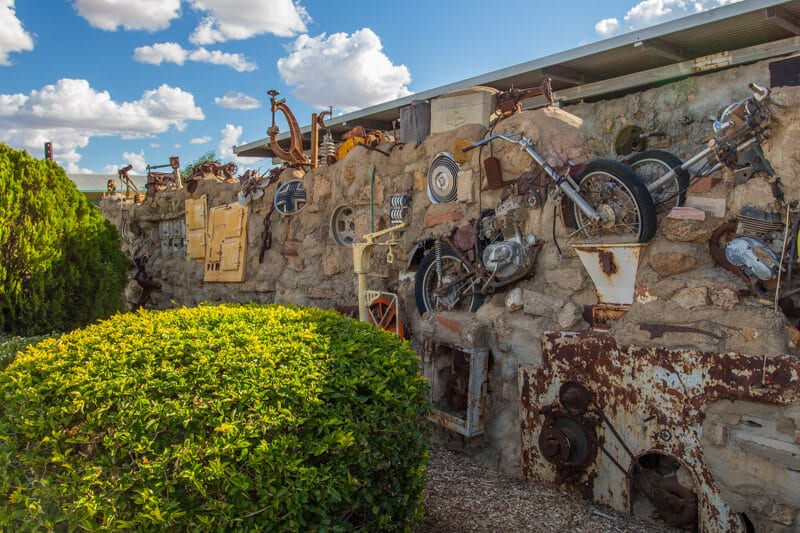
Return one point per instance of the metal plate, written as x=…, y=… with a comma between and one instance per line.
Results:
x=443, y=179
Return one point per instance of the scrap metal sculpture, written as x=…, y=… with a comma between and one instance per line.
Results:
x=294, y=155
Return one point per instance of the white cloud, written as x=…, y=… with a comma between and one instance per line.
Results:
x=236, y=61
x=230, y=138
x=150, y=15
x=651, y=12
x=243, y=19
x=237, y=100
x=110, y=169
x=154, y=145
x=344, y=71
x=13, y=38
x=159, y=53
x=175, y=53
x=137, y=160
x=200, y=140
x=70, y=112
x=607, y=27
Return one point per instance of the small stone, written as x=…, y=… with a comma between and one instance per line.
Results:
x=670, y=263
x=749, y=333
x=568, y=315
x=644, y=295
x=724, y=297
x=514, y=301
x=691, y=297
x=688, y=230
x=687, y=213
x=571, y=279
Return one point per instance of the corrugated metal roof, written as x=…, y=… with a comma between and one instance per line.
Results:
x=739, y=26
x=99, y=182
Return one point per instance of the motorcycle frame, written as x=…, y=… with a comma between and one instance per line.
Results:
x=486, y=277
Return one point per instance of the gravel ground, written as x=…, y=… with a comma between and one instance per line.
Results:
x=463, y=497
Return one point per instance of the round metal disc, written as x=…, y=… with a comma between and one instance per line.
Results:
x=290, y=197
x=343, y=225
x=443, y=179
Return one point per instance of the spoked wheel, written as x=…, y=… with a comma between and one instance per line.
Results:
x=453, y=287
x=617, y=194
x=651, y=165
x=383, y=314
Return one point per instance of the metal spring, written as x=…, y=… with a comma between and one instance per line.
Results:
x=327, y=147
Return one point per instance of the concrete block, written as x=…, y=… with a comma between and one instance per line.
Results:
x=466, y=187
x=472, y=106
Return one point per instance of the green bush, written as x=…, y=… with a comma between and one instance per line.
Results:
x=10, y=345
x=261, y=418
x=60, y=261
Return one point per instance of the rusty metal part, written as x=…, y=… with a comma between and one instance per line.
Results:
x=568, y=440
x=458, y=382
x=600, y=316
x=658, y=330
x=648, y=393
x=467, y=415
x=145, y=281
x=384, y=314
x=266, y=234
x=295, y=154
x=317, y=124
x=126, y=180
x=508, y=102
x=575, y=397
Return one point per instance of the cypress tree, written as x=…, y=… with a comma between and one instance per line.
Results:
x=61, y=265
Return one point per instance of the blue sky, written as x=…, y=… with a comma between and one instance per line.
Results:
x=112, y=82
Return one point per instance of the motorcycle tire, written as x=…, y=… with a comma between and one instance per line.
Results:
x=426, y=279
x=614, y=189
x=650, y=165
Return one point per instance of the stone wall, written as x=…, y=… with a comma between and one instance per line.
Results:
x=678, y=283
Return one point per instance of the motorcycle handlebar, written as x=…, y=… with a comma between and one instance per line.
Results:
x=505, y=136
x=759, y=92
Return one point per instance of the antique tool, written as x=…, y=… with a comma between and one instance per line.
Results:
x=508, y=102
x=160, y=181
x=294, y=155
x=361, y=264
x=658, y=330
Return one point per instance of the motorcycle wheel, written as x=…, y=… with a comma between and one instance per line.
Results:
x=427, y=278
x=615, y=190
x=651, y=165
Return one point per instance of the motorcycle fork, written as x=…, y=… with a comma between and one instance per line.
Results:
x=474, y=271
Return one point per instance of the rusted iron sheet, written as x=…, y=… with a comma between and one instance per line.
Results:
x=651, y=400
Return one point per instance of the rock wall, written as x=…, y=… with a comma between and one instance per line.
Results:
x=678, y=283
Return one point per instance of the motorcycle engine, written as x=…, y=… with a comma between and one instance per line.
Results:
x=756, y=248
x=507, y=253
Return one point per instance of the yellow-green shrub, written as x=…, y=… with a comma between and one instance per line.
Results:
x=261, y=418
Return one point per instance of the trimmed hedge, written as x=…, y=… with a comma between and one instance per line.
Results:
x=263, y=418
x=61, y=265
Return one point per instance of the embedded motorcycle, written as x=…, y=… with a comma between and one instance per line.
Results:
x=607, y=198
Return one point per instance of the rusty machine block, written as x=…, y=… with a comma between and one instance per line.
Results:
x=458, y=378
x=666, y=433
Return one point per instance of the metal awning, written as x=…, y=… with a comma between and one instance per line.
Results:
x=727, y=36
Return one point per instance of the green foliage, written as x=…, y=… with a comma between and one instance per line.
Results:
x=60, y=261
x=255, y=418
x=188, y=170
x=11, y=345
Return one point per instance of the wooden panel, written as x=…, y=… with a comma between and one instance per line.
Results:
x=196, y=228
x=226, y=239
